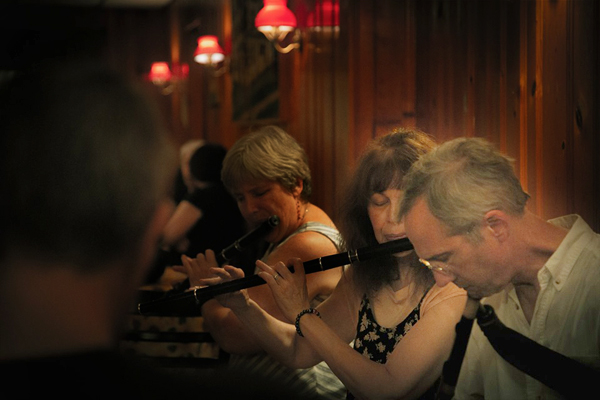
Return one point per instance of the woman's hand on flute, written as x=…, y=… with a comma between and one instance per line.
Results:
x=288, y=288
x=204, y=271
x=236, y=299
x=198, y=268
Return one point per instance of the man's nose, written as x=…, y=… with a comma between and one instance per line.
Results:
x=442, y=279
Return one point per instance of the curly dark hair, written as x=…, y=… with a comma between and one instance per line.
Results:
x=382, y=166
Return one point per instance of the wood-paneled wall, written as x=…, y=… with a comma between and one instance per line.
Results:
x=523, y=74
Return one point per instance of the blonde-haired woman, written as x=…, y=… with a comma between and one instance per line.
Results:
x=267, y=173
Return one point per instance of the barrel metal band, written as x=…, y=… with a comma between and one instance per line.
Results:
x=353, y=254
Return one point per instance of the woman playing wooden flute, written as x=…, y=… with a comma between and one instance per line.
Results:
x=400, y=323
x=267, y=173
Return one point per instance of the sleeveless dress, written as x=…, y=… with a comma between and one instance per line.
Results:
x=377, y=342
x=315, y=382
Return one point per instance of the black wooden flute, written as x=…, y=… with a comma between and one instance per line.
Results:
x=451, y=368
x=567, y=376
x=237, y=247
x=249, y=238
x=198, y=296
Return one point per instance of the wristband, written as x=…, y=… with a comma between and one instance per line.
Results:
x=307, y=311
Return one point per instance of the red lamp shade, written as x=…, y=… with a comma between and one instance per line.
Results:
x=326, y=14
x=208, y=50
x=181, y=71
x=275, y=20
x=160, y=72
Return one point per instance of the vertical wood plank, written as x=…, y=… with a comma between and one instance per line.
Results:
x=441, y=68
x=530, y=150
x=585, y=119
x=395, y=92
x=539, y=109
x=523, y=69
x=362, y=75
x=555, y=100
x=502, y=95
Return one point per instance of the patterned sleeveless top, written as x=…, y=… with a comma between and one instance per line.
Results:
x=316, y=382
x=377, y=342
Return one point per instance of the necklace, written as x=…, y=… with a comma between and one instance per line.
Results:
x=300, y=215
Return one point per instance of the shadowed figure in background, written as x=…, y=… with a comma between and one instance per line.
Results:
x=207, y=217
x=85, y=176
x=183, y=184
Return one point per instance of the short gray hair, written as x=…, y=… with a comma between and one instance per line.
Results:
x=461, y=180
x=270, y=154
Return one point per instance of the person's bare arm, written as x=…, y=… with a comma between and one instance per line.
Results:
x=231, y=334
x=413, y=366
x=183, y=219
x=279, y=338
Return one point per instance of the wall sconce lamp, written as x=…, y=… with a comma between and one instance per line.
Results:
x=210, y=54
x=275, y=21
x=161, y=75
x=325, y=17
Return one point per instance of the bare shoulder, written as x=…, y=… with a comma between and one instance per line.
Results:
x=449, y=295
x=305, y=245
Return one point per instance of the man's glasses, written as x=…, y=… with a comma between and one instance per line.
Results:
x=436, y=266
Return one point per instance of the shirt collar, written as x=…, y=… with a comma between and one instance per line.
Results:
x=561, y=262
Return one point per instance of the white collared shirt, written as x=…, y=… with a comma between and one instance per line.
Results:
x=566, y=319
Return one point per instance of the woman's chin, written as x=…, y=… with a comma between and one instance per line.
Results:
x=404, y=254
